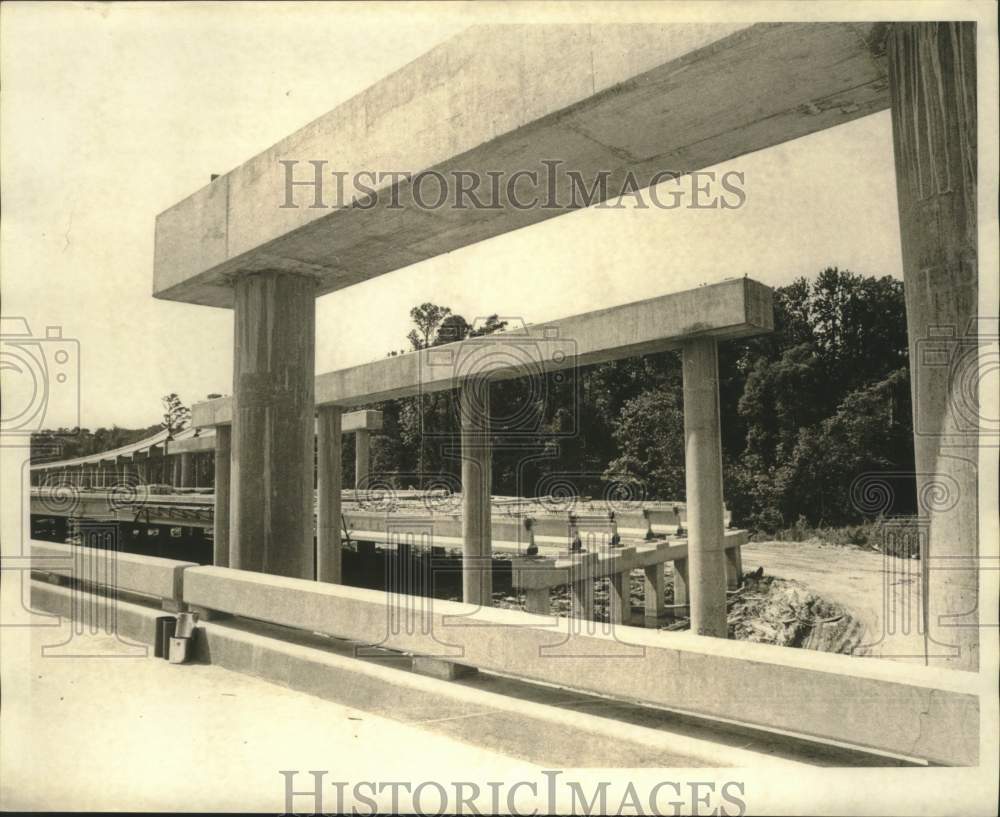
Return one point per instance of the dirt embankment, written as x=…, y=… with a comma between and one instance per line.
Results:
x=765, y=610
x=786, y=613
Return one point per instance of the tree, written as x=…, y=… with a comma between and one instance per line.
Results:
x=452, y=328
x=428, y=318
x=650, y=434
x=823, y=399
x=176, y=415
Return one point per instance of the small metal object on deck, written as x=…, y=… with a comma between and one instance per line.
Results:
x=185, y=625
x=165, y=628
x=179, y=648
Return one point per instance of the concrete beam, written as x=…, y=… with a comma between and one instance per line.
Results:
x=533, y=572
x=191, y=445
x=330, y=671
x=146, y=575
x=640, y=99
x=357, y=421
x=900, y=708
x=736, y=308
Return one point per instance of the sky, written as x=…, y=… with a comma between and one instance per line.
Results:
x=113, y=113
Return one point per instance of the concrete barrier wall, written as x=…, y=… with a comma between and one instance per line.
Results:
x=902, y=709
x=147, y=575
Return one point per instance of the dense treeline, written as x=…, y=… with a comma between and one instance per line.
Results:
x=805, y=410
x=67, y=443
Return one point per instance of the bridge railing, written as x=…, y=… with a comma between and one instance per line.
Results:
x=901, y=709
x=111, y=569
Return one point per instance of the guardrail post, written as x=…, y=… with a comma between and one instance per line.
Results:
x=703, y=479
x=328, y=502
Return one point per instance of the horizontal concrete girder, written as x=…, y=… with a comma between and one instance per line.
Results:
x=902, y=709
x=192, y=445
x=736, y=308
x=637, y=99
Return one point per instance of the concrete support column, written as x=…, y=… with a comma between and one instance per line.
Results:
x=582, y=599
x=271, y=509
x=175, y=472
x=619, y=598
x=220, y=519
x=703, y=479
x=362, y=457
x=477, y=538
x=734, y=568
x=932, y=82
x=682, y=598
x=653, y=593
x=187, y=470
x=328, y=488
x=536, y=600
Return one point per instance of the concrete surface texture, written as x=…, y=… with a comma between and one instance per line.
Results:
x=933, y=72
x=271, y=480
x=636, y=99
x=214, y=740
x=917, y=712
